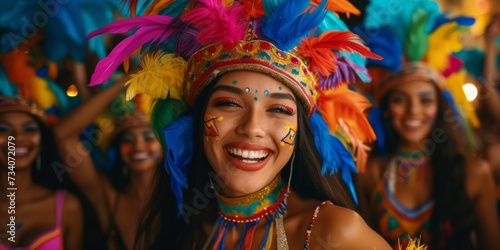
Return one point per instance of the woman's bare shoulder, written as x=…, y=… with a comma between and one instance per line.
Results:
x=342, y=228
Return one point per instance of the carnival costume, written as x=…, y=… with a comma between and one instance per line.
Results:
x=303, y=45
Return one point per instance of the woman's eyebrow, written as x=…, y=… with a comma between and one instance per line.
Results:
x=282, y=96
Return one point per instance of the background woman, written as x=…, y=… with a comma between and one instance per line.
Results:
x=44, y=217
x=422, y=179
x=120, y=196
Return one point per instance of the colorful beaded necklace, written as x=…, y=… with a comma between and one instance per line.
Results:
x=409, y=162
x=269, y=203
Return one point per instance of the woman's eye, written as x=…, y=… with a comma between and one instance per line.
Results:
x=397, y=99
x=427, y=100
x=283, y=110
x=4, y=129
x=149, y=136
x=31, y=129
x=128, y=138
x=225, y=102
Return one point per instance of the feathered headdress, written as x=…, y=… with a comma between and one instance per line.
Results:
x=28, y=66
x=303, y=44
x=416, y=40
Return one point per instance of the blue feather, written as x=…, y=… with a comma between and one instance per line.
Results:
x=291, y=15
x=331, y=22
x=460, y=20
x=5, y=84
x=333, y=153
x=61, y=96
x=397, y=15
x=175, y=8
x=383, y=43
x=178, y=154
x=376, y=119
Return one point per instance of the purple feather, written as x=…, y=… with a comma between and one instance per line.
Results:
x=344, y=73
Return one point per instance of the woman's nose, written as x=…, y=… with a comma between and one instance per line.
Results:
x=252, y=125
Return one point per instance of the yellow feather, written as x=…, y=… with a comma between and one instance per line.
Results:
x=413, y=244
x=443, y=42
x=454, y=84
x=42, y=94
x=161, y=75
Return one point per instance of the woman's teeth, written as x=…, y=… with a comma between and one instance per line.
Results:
x=139, y=156
x=248, y=156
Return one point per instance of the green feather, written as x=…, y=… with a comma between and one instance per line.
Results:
x=417, y=41
x=165, y=111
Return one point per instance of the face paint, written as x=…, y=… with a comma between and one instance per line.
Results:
x=234, y=82
x=290, y=136
x=126, y=148
x=211, y=126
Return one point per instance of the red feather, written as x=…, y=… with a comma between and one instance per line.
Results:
x=253, y=9
x=321, y=50
x=132, y=5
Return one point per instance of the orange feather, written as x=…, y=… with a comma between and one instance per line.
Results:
x=342, y=6
x=157, y=6
x=253, y=9
x=350, y=106
x=321, y=50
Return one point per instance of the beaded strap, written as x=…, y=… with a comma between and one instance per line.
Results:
x=311, y=224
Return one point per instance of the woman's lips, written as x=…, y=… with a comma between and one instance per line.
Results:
x=247, y=157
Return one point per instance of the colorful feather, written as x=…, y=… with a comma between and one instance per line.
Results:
x=216, y=22
x=253, y=9
x=359, y=149
x=385, y=44
x=454, y=84
x=320, y=50
x=438, y=52
x=459, y=20
x=344, y=73
x=167, y=7
x=5, y=85
x=178, y=136
x=340, y=6
x=161, y=75
x=357, y=63
x=335, y=156
x=350, y=106
x=417, y=42
x=296, y=15
x=151, y=29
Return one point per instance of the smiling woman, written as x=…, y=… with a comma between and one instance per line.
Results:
x=252, y=161
x=38, y=214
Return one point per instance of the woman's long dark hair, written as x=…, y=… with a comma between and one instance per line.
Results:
x=161, y=228
x=451, y=203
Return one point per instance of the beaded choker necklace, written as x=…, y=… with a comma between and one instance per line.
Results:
x=269, y=203
x=409, y=162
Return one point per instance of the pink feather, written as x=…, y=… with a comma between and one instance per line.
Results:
x=124, y=49
x=216, y=22
x=126, y=25
x=150, y=29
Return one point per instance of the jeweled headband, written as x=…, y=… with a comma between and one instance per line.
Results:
x=19, y=104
